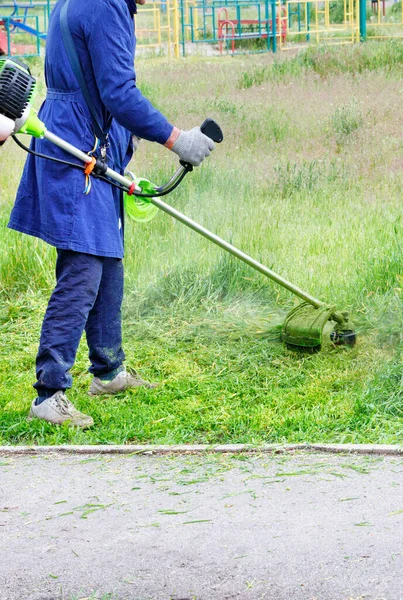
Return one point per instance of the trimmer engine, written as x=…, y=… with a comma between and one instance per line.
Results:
x=16, y=88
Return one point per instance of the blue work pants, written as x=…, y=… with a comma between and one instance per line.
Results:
x=88, y=295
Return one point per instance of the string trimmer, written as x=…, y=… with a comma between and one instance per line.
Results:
x=303, y=326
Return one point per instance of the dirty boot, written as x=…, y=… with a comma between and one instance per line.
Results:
x=125, y=380
x=58, y=409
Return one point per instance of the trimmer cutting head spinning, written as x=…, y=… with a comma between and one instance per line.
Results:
x=303, y=326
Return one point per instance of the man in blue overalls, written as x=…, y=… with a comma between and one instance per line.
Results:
x=87, y=230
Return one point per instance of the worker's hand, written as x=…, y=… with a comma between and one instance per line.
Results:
x=140, y=1
x=193, y=146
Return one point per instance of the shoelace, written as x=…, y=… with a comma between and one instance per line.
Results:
x=63, y=404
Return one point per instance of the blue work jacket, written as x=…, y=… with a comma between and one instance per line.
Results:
x=50, y=202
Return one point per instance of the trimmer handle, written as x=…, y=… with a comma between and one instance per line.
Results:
x=210, y=128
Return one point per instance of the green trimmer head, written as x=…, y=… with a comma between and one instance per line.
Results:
x=304, y=325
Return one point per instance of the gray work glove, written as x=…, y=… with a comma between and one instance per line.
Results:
x=193, y=146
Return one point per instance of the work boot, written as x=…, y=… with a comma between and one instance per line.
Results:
x=125, y=380
x=58, y=409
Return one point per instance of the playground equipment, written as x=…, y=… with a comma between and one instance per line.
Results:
x=239, y=28
x=20, y=20
x=384, y=23
x=22, y=10
x=12, y=44
x=213, y=22
x=279, y=23
x=303, y=326
x=322, y=21
x=283, y=24
x=157, y=27
x=174, y=27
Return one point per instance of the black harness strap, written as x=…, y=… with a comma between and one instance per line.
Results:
x=102, y=134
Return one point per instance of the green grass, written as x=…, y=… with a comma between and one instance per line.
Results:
x=309, y=181
x=326, y=61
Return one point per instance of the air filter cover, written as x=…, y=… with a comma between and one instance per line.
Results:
x=16, y=88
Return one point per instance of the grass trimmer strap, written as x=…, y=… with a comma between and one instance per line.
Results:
x=101, y=133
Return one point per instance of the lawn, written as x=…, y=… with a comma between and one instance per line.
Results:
x=308, y=180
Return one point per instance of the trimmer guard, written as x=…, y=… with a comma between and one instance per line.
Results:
x=303, y=326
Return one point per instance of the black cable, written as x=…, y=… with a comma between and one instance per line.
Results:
x=170, y=189
x=157, y=194
x=117, y=185
x=102, y=177
x=58, y=160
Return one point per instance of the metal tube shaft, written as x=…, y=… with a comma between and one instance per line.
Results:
x=55, y=139
x=173, y=179
x=235, y=252
x=192, y=224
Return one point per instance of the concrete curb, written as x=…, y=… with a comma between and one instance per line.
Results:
x=368, y=449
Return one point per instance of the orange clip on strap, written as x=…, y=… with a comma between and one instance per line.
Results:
x=90, y=166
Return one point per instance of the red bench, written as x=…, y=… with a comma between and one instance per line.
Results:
x=229, y=28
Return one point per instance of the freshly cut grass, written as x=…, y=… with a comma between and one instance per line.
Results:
x=308, y=180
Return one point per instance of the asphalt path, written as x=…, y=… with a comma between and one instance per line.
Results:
x=279, y=527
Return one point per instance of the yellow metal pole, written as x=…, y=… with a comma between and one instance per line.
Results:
x=168, y=5
x=196, y=20
x=176, y=29
x=155, y=18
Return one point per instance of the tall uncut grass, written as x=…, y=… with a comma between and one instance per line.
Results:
x=308, y=180
x=328, y=60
